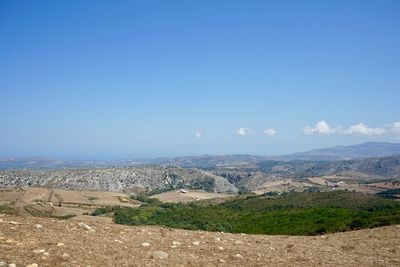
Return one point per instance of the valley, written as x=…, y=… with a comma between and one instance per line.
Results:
x=271, y=207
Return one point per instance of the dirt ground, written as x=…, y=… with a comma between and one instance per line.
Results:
x=282, y=185
x=57, y=202
x=350, y=184
x=66, y=243
x=191, y=195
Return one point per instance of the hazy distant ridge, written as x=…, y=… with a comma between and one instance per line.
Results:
x=365, y=150
x=361, y=151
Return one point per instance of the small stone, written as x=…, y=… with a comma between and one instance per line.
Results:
x=46, y=254
x=3, y=264
x=238, y=242
x=238, y=256
x=32, y=265
x=12, y=265
x=221, y=260
x=38, y=251
x=60, y=245
x=220, y=248
x=217, y=239
x=39, y=226
x=65, y=255
x=86, y=227
x=161, y=255
x=176, y=243
x=145, y=244
x=196, y=243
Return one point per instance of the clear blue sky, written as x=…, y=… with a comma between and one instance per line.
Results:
x=127, y=79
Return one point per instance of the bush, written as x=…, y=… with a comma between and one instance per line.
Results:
x=142, y=197
x=104, y=210
x=243, y=190
x=292, y=213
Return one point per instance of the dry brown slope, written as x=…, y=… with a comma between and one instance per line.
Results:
x=118, y=245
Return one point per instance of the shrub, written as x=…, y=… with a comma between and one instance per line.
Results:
x=292, y=213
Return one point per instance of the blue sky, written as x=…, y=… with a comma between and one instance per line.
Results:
x=127, y=79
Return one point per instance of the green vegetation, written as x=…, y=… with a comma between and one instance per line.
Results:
x=206, y=184
x=6, y=209
x=63, y=217
x=158, y=191
x=390, y=193
x=104, y=210
x=143, y=197
x=304, y=213
x=243, y=191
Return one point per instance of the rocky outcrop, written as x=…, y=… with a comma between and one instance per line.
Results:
x=118, y=179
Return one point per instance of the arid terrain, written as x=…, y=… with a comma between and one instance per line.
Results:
x=51, y=242
x=45, y=221
x=57, y=202
x=187, y=195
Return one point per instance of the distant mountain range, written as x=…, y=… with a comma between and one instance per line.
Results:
x=230, y=173
x=365, y=150
x=46, y=163
x=361, y=151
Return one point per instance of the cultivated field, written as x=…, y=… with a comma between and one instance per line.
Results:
x=283, y=185
x=190, y=195
x=352, y=184
x=59, y=203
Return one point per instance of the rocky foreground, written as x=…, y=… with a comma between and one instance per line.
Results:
x=33, y=241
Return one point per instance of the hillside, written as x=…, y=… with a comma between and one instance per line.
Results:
x=292, y=213
x=221, y=179
x=133, y=179
x=49, y=242
x=360, y=151
x=365, y=150
x=358, y=170
x=386, y=167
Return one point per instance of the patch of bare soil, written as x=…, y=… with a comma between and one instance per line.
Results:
x=188, y=196
x=49, y=242
x=58, y=202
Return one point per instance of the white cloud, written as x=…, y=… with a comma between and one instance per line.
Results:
x=243, y=131
x=270, y=132
x=199, y=135
x=362, y=129
x=320, y=127
x=395, y=127
x=358, y=129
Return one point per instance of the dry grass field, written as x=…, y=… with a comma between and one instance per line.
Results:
x=190, y=195
x=57, y=202
x=282, y=185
